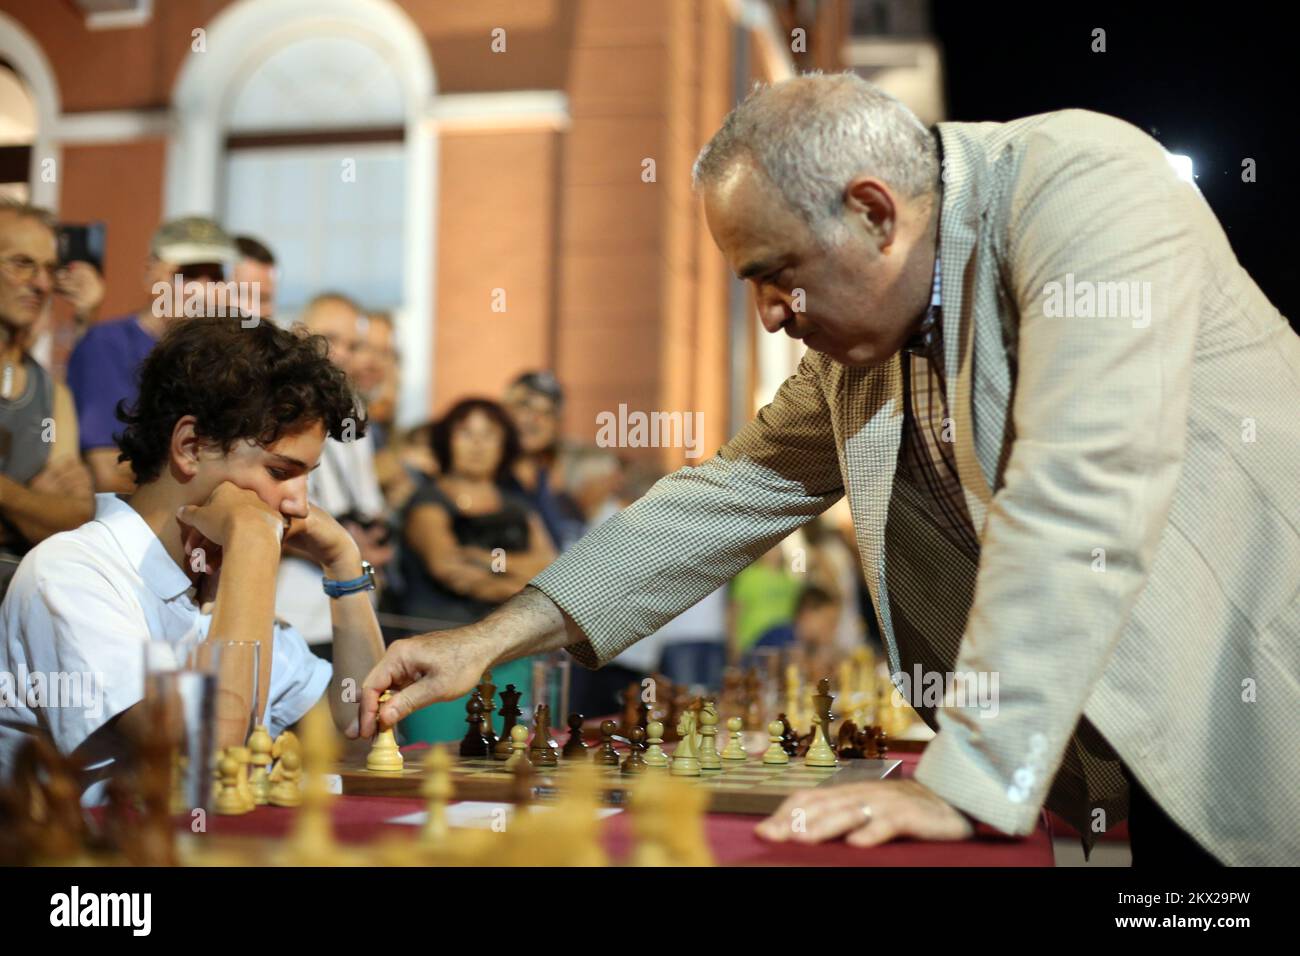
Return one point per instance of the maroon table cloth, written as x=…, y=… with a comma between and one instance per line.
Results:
x=731, y=838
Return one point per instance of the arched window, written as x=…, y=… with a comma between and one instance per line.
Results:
x=29, y=110
x=315, y=166
x=306, y=123
x=18, y=125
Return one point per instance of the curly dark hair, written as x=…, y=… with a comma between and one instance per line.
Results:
x=442, y=429
x=239, y=383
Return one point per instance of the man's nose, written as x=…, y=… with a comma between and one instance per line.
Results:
x=773, y=311
x=43, y=280
x=294, y=503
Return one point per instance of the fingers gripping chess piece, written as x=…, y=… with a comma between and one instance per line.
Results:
x=384, y=755
x=654, y=755
x=735, y=749
x=775, y=753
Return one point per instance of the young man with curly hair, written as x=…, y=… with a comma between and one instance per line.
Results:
x=227, y=425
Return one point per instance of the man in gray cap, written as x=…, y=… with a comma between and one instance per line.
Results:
x=187, y=258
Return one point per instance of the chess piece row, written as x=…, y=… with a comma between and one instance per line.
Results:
x=259, y=773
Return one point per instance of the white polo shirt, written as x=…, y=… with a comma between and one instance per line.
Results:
x=78, y=613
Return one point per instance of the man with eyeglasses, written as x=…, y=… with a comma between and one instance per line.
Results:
x=534, y=400
x=188, y=258
x=44, y=488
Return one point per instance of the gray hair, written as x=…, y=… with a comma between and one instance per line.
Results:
x=814, y=133
x=25, y=210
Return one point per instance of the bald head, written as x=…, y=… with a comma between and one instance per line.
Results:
x=337, y=319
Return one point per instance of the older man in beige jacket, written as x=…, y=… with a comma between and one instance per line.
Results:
x=1065, y=420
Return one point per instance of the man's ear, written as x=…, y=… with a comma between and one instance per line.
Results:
x=186, y=446
x=873, y=203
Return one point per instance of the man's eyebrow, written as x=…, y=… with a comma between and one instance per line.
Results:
x=294, y=461
x=756, y=268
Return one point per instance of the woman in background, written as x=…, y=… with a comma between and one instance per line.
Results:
x=469, y=542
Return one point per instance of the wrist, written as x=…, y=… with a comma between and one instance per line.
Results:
x=344, y=568
x=255, y=530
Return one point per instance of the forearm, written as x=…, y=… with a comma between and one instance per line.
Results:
x=37, y=515
x=528, y=623
x=245, y=602
x=358, y=643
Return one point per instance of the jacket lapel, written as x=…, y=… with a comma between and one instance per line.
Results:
x=869, y=417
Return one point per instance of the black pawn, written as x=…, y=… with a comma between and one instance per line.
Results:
x=606, y=755
x=635, y=760
x=474, y=744
x=575, y=746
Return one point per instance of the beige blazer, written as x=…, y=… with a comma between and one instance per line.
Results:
x=1132, y=463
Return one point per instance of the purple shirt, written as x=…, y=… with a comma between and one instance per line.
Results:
x=102, y=372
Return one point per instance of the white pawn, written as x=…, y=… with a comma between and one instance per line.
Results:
x=735, y=749
x=775, y=753
x=437, y=790
x=384, y=755
x=518, y=747
x=654, y=755
x=708, y=752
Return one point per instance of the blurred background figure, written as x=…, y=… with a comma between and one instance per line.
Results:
x=378, y=374
x=44, y=487
x=534, y=401
x=763, y=596
x=833, y=564
x=255, y=270
x=810, y=634
x=102, y=370
x=469, y=541
x=593, y=478
x=344, y=485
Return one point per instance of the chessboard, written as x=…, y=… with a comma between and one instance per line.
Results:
x=751, y=787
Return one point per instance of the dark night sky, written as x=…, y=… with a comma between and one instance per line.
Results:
x=1214, y=81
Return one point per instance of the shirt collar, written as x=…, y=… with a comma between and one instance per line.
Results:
x=141, y=547
x=927, y=338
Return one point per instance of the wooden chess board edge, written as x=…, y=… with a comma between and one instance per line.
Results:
x=763, y=798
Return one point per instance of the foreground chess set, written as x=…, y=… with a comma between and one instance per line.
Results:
x=748, y=772
x=42, y=823
x=667, y=793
